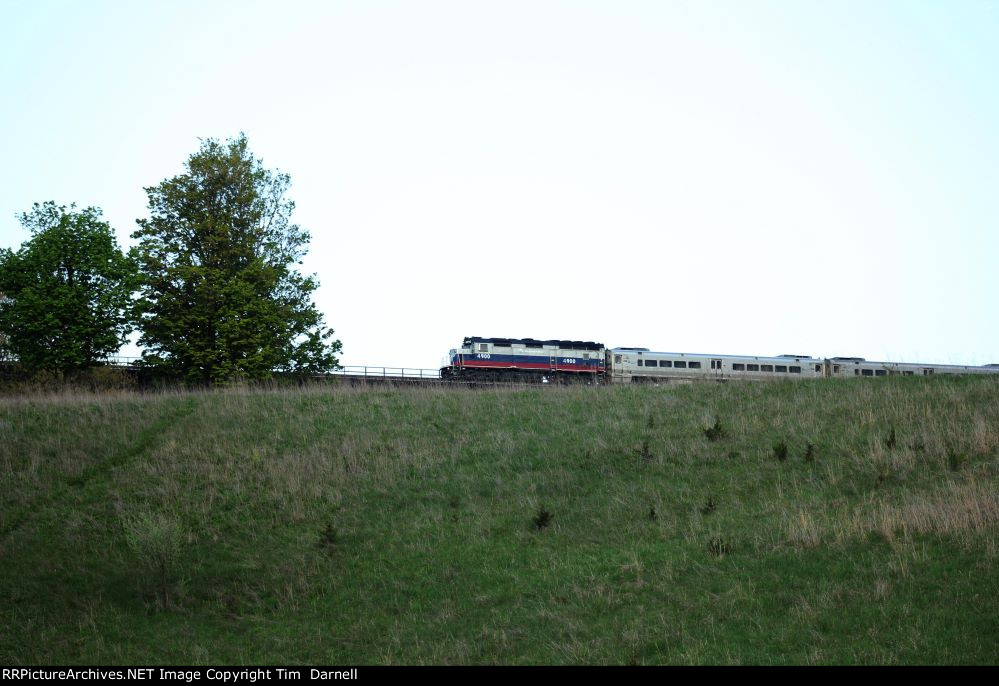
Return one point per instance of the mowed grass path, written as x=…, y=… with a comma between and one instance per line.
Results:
x=387, y=526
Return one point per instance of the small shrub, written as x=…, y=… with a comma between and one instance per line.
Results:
x=156, y=538
x=955, y=460
x=329, y=537
x=708, y=507
x=542, y=519
x=884, y=475
x=652, y=514
x=891, y=440
x=714, y=433
x=645, y=453
x=780, y=451
x=718, y=546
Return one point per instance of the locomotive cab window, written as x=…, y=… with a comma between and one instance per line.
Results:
x=483, y=347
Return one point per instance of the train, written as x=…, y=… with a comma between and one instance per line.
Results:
x=532, y=360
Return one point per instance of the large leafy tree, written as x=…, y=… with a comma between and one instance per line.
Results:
x=66, y=294
x=221, y=296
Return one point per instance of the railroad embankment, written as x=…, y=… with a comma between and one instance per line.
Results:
x=801, y=522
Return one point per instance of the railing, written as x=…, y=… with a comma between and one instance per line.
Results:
x=386, y=372
x=123, y=361
x=351, y=371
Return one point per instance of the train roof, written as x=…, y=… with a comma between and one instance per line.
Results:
x=535, y=343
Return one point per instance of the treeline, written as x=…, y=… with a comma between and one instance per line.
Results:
x=211, y=284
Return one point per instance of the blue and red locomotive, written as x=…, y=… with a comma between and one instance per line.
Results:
x=526, y=359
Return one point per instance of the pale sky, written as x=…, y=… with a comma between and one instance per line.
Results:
x=731, y=177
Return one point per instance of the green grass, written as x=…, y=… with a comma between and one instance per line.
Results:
x=387, y=526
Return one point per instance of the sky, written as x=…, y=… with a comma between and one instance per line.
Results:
x=743, y=177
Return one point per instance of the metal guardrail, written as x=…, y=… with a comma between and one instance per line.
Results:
x=386, y=372
x=355, y=371
x=122, y=361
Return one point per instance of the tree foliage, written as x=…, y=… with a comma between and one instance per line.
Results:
x=67, y=291
x=221, y=298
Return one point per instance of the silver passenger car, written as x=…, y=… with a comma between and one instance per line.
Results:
x=849, y=367
x=641, y=365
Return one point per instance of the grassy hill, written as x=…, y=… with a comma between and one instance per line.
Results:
x=816, y=522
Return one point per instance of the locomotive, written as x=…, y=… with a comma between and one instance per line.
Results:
x=560, y=361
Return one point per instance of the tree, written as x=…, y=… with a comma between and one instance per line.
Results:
x=220, y=296
x=67, y=291
x=5, y=354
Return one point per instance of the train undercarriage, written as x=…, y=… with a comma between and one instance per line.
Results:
x=523, y=376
